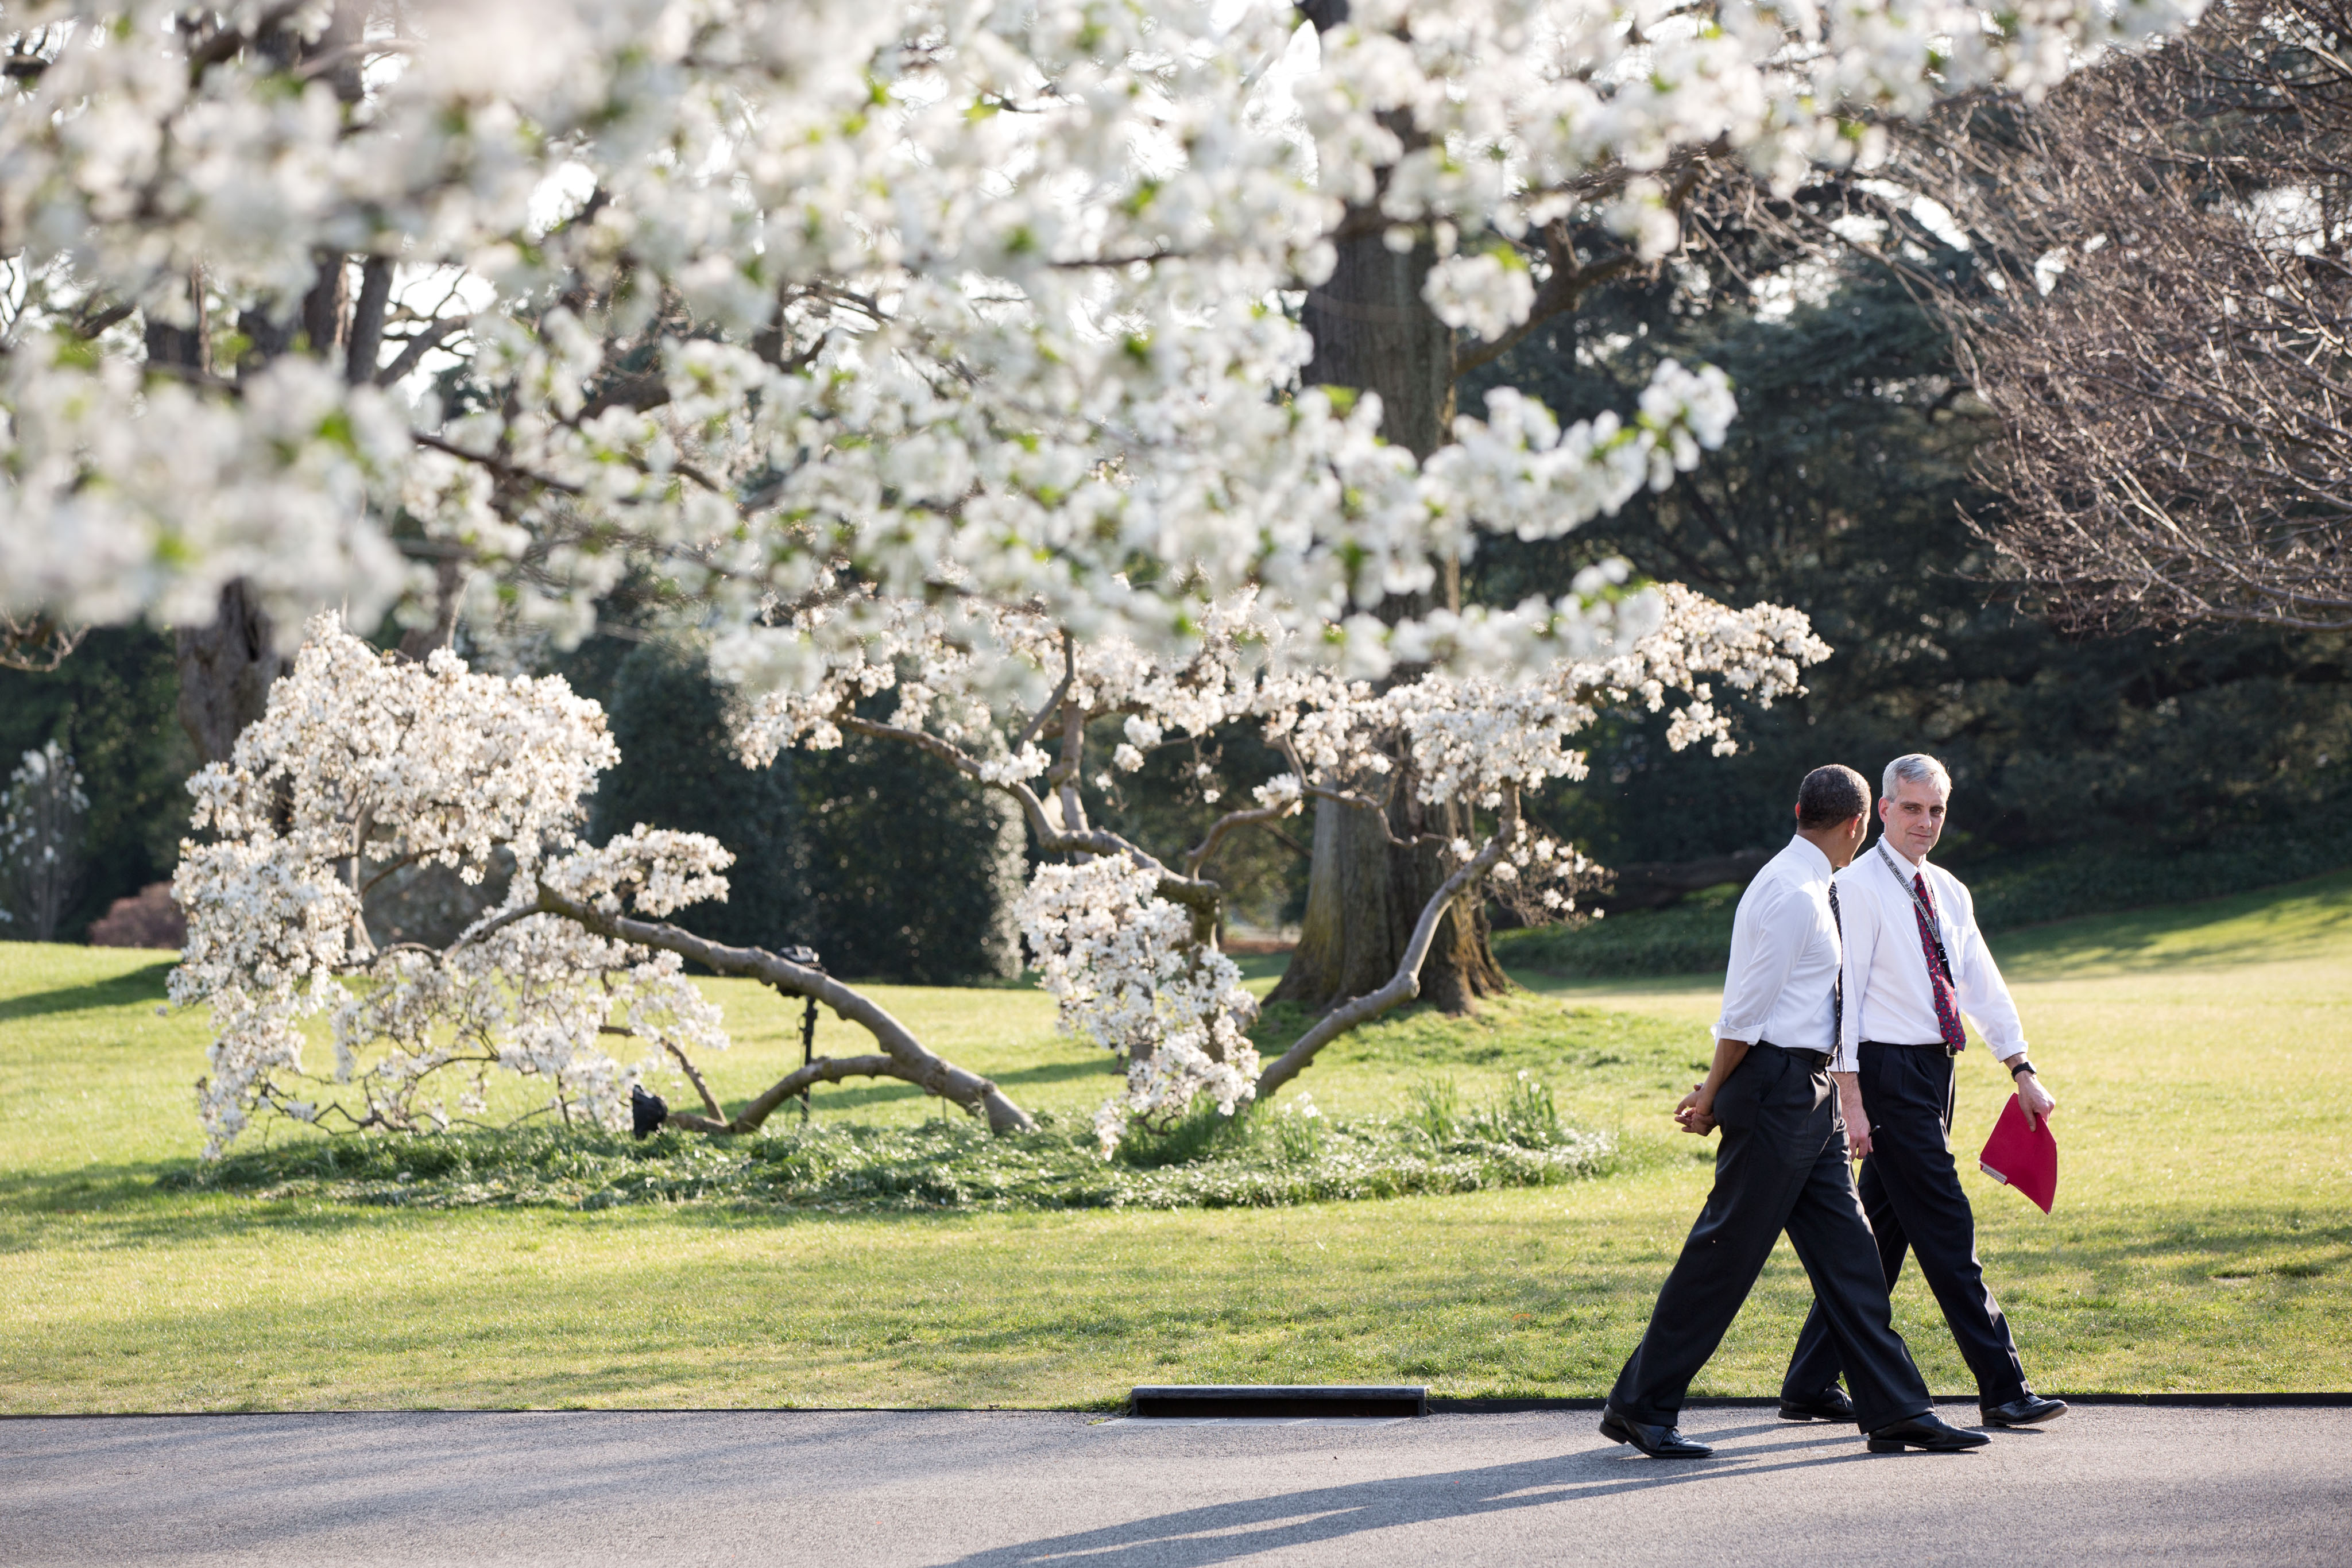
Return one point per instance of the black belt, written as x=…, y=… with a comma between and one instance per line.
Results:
x=1904, y=1045
x=1814, y=1059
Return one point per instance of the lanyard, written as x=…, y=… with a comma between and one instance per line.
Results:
x=1927, y=915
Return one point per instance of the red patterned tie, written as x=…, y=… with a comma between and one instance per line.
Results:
x=1948, y=1012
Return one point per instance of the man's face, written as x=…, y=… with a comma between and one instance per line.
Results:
x=1914, y=815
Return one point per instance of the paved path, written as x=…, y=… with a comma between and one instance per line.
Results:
x=2105, y=1485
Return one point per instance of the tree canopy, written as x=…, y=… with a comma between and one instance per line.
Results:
x=970, y=301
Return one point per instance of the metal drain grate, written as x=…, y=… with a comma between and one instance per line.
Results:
x=1204, y=1399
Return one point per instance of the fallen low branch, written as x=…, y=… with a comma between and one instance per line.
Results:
x=903, y=1056
x=1405, y=984
x=824, y=1070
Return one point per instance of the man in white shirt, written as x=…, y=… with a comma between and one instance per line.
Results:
x=1783, y=1163
x=1915, y=961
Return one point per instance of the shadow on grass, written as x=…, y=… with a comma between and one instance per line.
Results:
x=122, y=1207
x=144, y=985
x=2316, y=920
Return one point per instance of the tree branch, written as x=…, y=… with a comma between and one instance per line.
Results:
x=367, y=321
x=710, y=1101
x=495, y=464
x=1197, y=856
x=1405, y=984
x=905, y=1055
x=423, y=342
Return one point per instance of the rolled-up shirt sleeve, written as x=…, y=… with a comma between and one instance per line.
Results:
x=1983, y=995
x=1764, y=947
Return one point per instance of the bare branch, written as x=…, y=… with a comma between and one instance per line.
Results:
x=906, y=1057
x=495, y=464
x=686, y=1065
x=2160, y=315
x=1197, y=855
x=1052, y=704
x=420, y=344
x=36, y=642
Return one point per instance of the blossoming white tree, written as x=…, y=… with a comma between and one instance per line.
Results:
x=838, y=308
x=977, y=298
x=1125, y=939
x=364, y=764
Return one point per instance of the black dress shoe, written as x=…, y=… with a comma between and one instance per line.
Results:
x=1830, y=1404
x=1658, y=1442
x=2027, y=1410
x=1928, y=1432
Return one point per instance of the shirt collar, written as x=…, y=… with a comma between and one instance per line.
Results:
x=1902, y=862
x=1819, y=861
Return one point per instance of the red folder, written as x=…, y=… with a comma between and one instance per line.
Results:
x=2022, y=1157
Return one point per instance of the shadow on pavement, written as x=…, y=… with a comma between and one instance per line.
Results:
x=1224, y=1532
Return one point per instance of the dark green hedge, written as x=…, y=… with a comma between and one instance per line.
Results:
x=888, y=861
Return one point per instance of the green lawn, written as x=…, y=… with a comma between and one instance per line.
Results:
x=2202, y=1240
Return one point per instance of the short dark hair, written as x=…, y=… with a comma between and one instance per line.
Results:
x=1831, y=795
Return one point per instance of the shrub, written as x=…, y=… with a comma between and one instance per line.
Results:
x=1259, y=1161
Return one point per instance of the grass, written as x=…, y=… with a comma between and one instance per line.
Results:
x=2011, y=892
x=2202, y=1238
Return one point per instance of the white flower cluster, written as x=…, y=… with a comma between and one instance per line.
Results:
x=364, y=764
x=1473, y=737
x=979, y=299
x=1130, y=975
x=1539, y=877
x=647, y=871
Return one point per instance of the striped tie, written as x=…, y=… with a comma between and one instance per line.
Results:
x=1837, y=986
x=1948, y=1012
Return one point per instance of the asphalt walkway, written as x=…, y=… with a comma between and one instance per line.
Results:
x=2104, y=1485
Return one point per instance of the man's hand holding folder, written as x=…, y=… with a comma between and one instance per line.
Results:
x=2022, y=1154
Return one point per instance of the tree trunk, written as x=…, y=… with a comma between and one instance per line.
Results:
x=1363, y=895
x=226, y=671
x=1373, y=333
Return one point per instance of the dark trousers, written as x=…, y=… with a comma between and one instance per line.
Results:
x=1912, y=1193
x=1783, y=1165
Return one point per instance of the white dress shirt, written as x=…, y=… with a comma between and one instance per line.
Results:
x=1888, y=996
x=1784, y=955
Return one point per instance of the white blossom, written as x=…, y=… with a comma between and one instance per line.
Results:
x=983, y=297
x=365, y=763
x=1132, y=968
x=1128, y=975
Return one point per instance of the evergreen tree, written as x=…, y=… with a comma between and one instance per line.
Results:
x=913, y=870
x=678, y=769
x=884, y=860
x=1845, y=490
x=114, y=705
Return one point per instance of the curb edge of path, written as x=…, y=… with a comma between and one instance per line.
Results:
x=1437, y=1406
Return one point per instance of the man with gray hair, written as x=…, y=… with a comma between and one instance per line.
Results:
x=1782, y=1165
x=1913, y=962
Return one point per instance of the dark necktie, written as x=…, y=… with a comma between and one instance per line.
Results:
x=1947, y=1010
x=1837, y=985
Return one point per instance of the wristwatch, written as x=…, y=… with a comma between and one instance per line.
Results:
x=2021, y=1065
